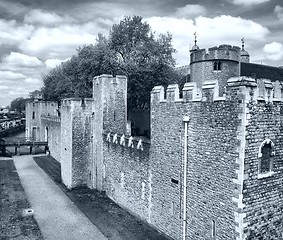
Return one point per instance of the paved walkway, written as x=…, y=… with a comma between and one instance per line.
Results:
x=57, y=217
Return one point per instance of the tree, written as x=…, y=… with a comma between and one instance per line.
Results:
x=73, y=78
x=146, y=60
x=18, y=104
x=131, y=49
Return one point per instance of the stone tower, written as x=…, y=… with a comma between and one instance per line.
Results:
x=218, y=63
x=110, y=116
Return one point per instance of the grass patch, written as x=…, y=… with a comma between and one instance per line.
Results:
x=13, y=201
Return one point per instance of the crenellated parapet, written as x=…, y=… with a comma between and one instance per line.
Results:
x=73, y=103
x=223, y=52
x=237, y=88
x=216, y=63
x=209, y=92
x=254, y=90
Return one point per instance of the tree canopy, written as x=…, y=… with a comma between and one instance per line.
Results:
x=131, y=49
x=18, y=104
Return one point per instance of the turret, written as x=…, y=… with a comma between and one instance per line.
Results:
x=218, y=63
x=245, y=57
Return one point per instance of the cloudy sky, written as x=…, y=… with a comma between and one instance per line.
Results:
x=36, y=35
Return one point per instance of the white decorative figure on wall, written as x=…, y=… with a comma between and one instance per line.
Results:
x=122, y=140
x=115, y=139
x=140, y=146
x=108, y=137
x=131, y=142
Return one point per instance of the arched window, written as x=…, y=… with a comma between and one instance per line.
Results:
x=33, y=115
x=217, y=66
x=266, y=154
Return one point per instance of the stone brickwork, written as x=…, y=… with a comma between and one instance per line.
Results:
x=126, y=175
x=76, y=141
x=212, y=153
x=110, y=116
x=202, y=65
x=263, y=193
x=52, y=127
x=110, y=94
x=224, y=137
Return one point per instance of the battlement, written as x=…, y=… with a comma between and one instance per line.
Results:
x=108, y=80
x=248, y=88
x=83, y=102
x=222, y=52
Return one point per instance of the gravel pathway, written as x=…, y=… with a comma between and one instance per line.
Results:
x=57, y=217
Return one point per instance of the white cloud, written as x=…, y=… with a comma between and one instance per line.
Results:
x=33, y=81
x=249, y=2
x=10, y=76
x=19, y=59
x=38, y=16
x=273, y=51
x=52, y=63
x=3, y=87
x=12, y=33
x=279, y=12
x=60, y=42
x=190, y=11
x=229, y=28
x=210, y=32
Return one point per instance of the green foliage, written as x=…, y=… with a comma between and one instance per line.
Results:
x=131, y=49
x=18, y=104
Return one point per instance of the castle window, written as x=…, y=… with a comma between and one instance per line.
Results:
x=266, y=155
x=33, y=115
x=217, y=66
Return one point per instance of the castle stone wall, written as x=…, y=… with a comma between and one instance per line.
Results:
x=262, y=197
x=53, y=123
x=76, y=135
x=66, y=143
x=126, y=175
x=211, y=158
x=111, y=94
x=110, y=116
